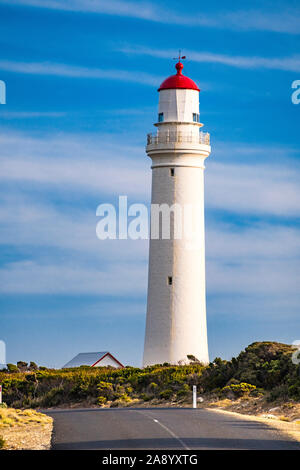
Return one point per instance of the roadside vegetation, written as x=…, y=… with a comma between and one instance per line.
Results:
x=263, y=371
x=24, y=429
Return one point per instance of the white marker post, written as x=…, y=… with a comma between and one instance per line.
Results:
x=0, y=393
x=194, y=396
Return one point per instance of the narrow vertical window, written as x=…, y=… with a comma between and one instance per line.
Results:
x=196, y=117
x=170, y=280
x=160, y=117
x=172, y=171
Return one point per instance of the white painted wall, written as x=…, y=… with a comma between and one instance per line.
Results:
x=107, y=361
x=178, y=104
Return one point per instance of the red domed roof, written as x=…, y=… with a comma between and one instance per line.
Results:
x=178, y=81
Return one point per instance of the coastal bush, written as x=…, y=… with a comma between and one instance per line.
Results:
x=166, y=394
x=22, y=366
x=146, y=397
x=101, y=400
x=106, y=390
x=264, y=367
x=238, y=390
x=184, y=391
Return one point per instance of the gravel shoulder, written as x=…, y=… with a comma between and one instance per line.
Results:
x=25, y=429
x=292, y=429
x=284, y=416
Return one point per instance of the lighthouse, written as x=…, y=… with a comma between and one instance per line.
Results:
x=176, y=304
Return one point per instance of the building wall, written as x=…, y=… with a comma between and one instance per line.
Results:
x=107, y=361
x=178, y=105
x=176, y=315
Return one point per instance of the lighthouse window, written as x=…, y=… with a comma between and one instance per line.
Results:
x=196, y=117
x=160, y=117
x=172, y=171
x=170, y=280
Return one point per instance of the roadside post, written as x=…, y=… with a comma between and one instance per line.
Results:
x=194, y=396
x=0, y=393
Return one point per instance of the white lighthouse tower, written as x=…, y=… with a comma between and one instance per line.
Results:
x=176, y=307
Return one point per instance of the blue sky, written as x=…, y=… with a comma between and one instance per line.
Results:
x=81, y=81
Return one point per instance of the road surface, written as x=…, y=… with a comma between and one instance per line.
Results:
x=161, y=428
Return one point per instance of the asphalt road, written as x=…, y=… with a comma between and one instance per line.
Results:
x=161, y=428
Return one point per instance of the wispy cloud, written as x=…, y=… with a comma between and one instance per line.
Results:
x=249, y=276
x=256, y=189
x=256, y=277
x=99, y=167
x=284, y=20
x=262, y=259
x=33, y=277
x=61, y=253
x=30, y=115
x=258, y=241
x=72, y=71
x=95, y=167
x=26, y=222
x=291, y=63
x=142, y=10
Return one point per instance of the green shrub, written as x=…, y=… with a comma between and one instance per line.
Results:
x=280, y=392
x=294, y=391
x=21, y=365
x=166, y=394
x=29, y=403
x=193, y=359
x=2, y=442
x=181, y=393
x=258, y=392
x=53, y=397
x=184, y=391
x=125, y=398
x=119, y=390
x=153, y=387
x=266, y=366
x=106, y=390
x=114, y=404
x=238, y=390
x=30, y=377
x=101, y=400
x=146, y=397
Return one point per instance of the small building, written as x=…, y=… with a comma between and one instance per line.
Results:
x=94, y=359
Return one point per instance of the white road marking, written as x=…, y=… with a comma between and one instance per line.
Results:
x=166, y=429
x=172, y=434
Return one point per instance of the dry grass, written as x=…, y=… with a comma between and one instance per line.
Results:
x=25, y=429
